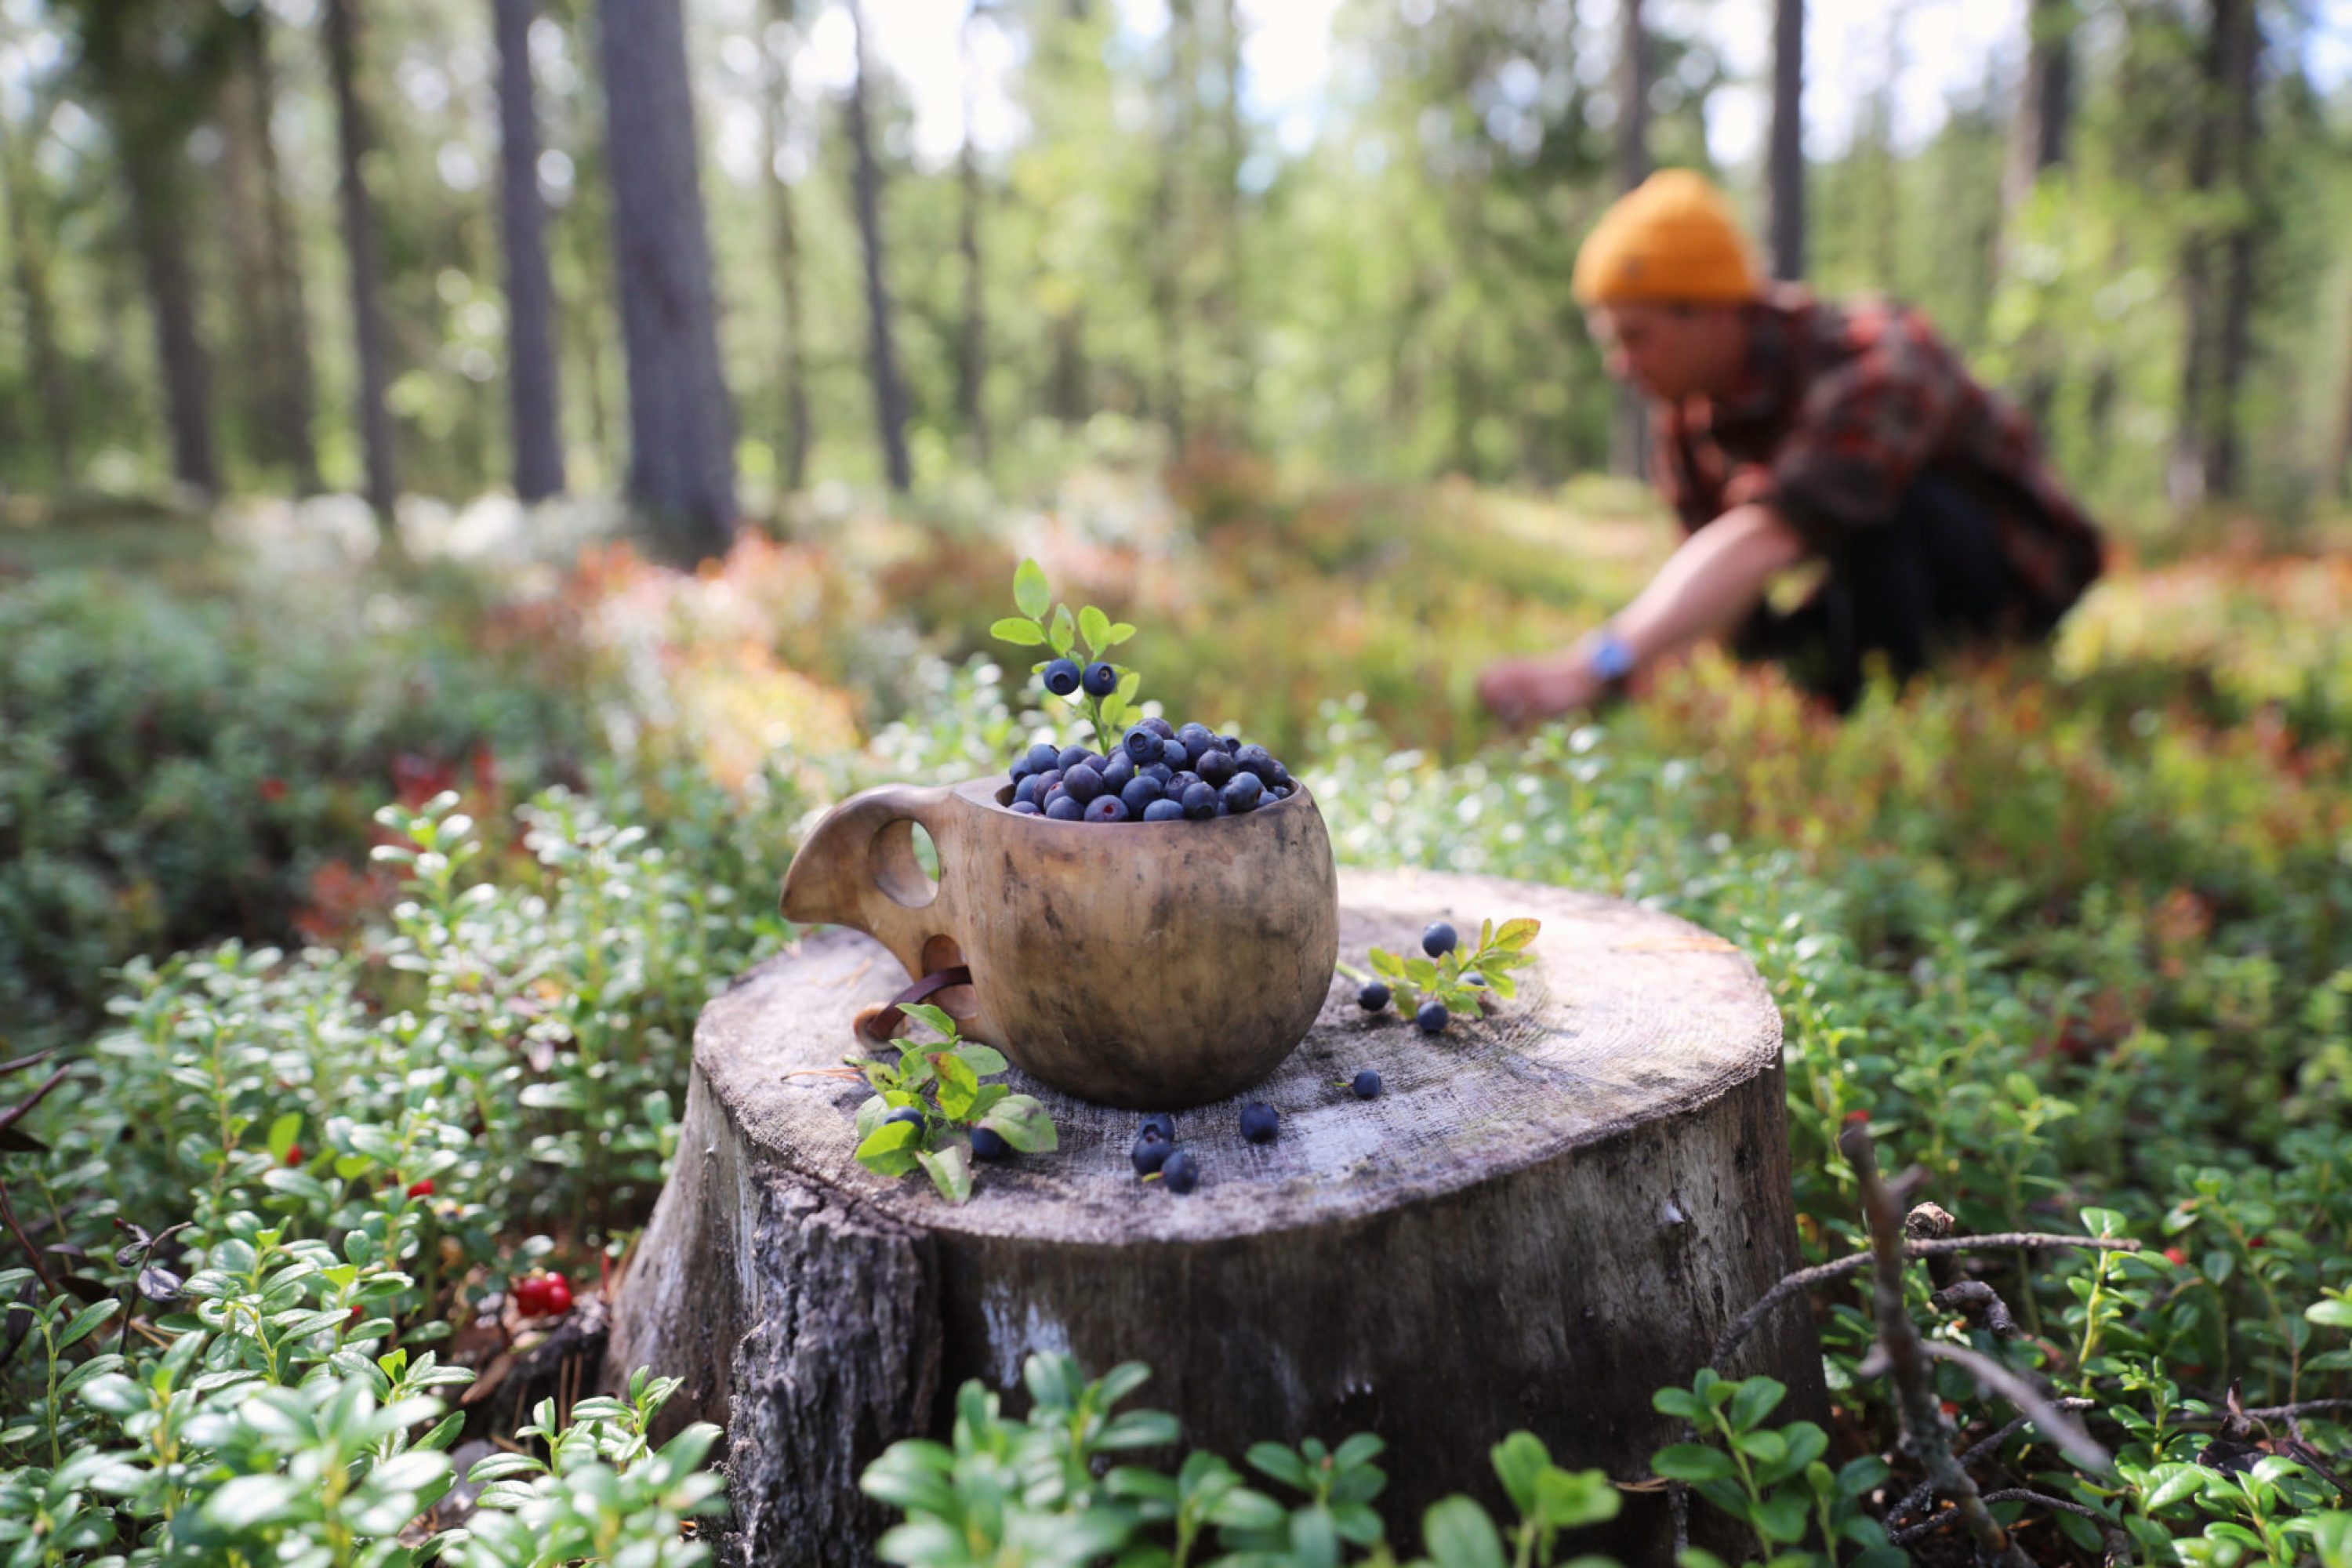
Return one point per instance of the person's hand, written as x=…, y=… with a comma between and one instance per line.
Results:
x=1523, y=691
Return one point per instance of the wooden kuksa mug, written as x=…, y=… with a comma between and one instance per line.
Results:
x=1147, y=964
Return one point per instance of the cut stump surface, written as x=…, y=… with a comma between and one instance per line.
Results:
x=1548, y=1215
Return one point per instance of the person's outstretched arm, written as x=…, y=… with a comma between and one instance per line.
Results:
x=1706, y=587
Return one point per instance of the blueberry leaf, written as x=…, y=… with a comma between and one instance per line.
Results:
x=1094, y=627
x=985, y=1061
x=958, y=1086
x=1030, y=590
x=950, y=1171
x=936, y=1018
x=1066, y=629
x=1516, y=934
x=870, y=1115
x=986, y=1101
x=1021, y=1121
x=1130, y=683
x=889, y=1150
x=1019, y=630
x=1120, y=633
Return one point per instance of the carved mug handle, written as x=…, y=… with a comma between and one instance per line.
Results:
x=857, y=869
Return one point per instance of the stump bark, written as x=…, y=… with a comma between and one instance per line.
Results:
x=1549, y=1213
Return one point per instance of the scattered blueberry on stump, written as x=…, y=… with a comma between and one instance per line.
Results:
x=1181, y=1173
x=988, y=1144
x=1373, y=996
x=1367, y=1085
x=1437, y=939
x=1149, y=1150
x=906, y=1113
x=1161, y=1123
x=1432, y=1016
x=1260, y=1122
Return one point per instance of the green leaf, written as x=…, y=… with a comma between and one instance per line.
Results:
x=1065, y=630
x=1566, y=1499
x=86, y=1321
x=1128, y=685
x=1094, y=627
x=1519, y=1459
x=1120, y=633
x=2330, y=1314
x=283, y=1133
x=1757, y=1398
x=890, y=1151
x=936, y=1018
x=1691, y=1462
x=1274, y=1459
x=1031, y=591
x=1517, y=933
x=985, y=1061
x=248, y=1500
x=1456, y=1533
x=1019, y=631
x=957, y=1086
x=1679, y=1402
x=1023, y=1121
x=1360, y=1449
x=950, y=1171
x=1782, y=1516
x=2169, y=1484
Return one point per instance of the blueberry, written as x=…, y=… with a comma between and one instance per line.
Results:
x=1151, y=1150
x=1367, y=1085
x=1256, y=760
x=1062, y=809
x=988, y=1144
x=1026, y=790
x=1164, y=1123
x=1041, y=757
x=1164, y=811
x=1180, y=781
x=1260, y=1121
x=1472, y=977
x=1229, y=744
x=904, y=1113
x=1197, y=746
x=1201, y=802
x=1373, y=996
x=1158, y=726
x=1242, y=793
x=1026, y=808
x=1047, y=783
x=1188, y=733
x=1158, y=773
x=1215, y=767
x=1101, y=680
x=1437, y=939
x=1142, y=745
x=1116, y=771
x=1071, y=756
x=1432, y=1016
x=1083, y=782
x=1173, y=753
x=1140, y=792
x=1062, y=676
x=1181, y=1173
x=1106, y=808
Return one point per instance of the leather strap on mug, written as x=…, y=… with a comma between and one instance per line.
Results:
x=881, y=1024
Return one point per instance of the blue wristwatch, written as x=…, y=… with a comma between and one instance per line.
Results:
x=1612, y=658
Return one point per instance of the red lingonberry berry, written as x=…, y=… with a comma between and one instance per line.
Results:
x=2175, y=1257
x=421, y=1188
x=558, y=1294
x=294, y=1155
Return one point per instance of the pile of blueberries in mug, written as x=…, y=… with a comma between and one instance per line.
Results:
x=1158, y=773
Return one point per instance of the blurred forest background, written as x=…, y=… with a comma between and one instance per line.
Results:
x=716, y=253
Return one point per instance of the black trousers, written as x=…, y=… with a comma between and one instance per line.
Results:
x=1930, y=578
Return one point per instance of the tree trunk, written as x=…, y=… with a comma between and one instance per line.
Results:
x=159, y=232
x=531, y=386
x=2045, y=104
x=353, y=140
x=881, y=354
x=681, y=424
x=29, y=265
x=293, y=393
x=1236, y=376
x=1628, y=436
x=1563, y=1205
x=791, y=360
x=1170, y=213
x=2217, y=268
x=971, y=342
x=1788, y=151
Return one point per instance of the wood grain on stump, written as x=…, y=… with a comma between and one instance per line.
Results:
x=1548, y=1214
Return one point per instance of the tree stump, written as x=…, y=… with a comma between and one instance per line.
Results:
x=1548, y=1214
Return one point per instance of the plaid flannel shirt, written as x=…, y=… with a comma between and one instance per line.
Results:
x=1839, y=409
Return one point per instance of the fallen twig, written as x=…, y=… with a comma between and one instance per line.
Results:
x=1924, y=1493
x=1824, y=1273
x=1980, y=1301
x=1925, y=1431
x=2062, y=1429
x=1927, y=1527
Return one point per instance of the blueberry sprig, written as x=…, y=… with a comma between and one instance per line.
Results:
x=1103, y=691
x=1448, y=983
x=930, y=1108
